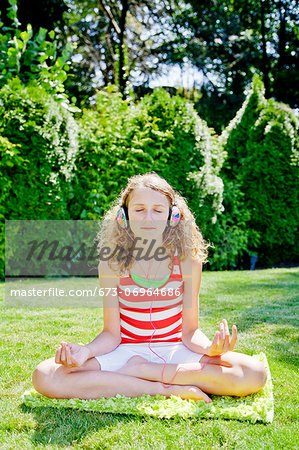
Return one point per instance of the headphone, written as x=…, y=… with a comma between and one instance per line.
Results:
x=122, y=216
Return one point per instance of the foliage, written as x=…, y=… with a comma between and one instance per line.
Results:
x=38, y=144
x=44, y=13
x=262, y=147
x=33, y=58
x=10, y=160
x=230, y=234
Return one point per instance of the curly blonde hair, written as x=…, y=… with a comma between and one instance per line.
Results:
x=180, y=237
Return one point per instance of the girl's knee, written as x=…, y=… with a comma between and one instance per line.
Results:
x=248, y=373
x=259, y=374
x=48, y=376
x=255, y=376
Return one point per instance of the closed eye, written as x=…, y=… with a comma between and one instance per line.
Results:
x=139, y=210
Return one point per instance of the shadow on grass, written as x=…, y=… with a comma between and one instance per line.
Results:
x=66, y=426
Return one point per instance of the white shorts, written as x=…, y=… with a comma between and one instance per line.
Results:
x=171, y=352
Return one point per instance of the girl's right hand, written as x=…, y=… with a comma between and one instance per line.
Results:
x=222, y=342
x=72, y=355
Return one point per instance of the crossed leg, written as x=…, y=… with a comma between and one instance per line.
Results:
x=229, y=374
x=232, y=373
x=90, y=382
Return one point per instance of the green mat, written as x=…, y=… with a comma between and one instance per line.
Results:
x=253, y=408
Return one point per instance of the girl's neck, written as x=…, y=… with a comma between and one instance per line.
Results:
x=149, y=250
x=155, y=269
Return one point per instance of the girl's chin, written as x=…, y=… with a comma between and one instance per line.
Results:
x=152, y=233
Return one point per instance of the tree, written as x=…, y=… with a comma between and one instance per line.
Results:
x=229, y=40
x=116, y=42
x=127, y=42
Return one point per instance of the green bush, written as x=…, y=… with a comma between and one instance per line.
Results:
x=113, y=142
x=38, y=145
x=230, y=233
x=262, y=147
x=241, y=187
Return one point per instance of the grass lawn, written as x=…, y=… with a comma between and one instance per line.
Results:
x=261, y=303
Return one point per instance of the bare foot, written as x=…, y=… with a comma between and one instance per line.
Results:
x=186, y=392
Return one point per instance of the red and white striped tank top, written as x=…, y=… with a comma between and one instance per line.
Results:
x=138, y=308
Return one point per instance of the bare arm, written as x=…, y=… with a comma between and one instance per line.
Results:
x=192, y=336
x=110, y=337
x=74, y=355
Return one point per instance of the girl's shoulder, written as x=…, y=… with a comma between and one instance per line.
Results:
x=190, y=266
x=106, y=272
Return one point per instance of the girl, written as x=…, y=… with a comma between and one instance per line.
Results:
x=151, y=343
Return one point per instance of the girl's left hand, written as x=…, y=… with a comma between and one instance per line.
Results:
x=222, y=342
x=72, y=355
